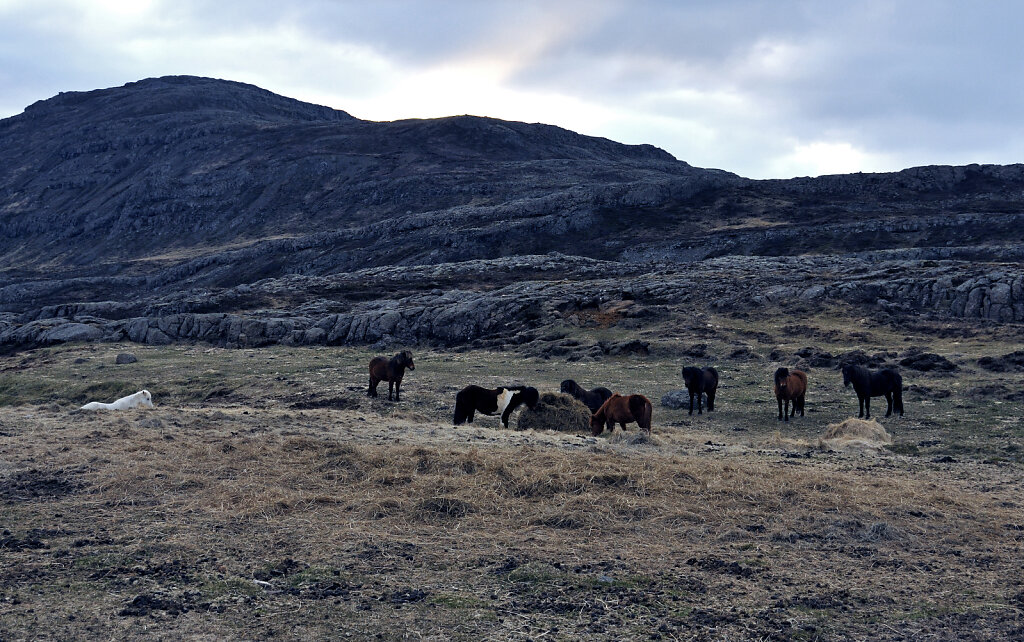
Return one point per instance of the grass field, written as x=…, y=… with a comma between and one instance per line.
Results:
x=267, y=496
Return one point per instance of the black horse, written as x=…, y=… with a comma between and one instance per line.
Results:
x=868, y=384
x=503, y=401
x=592, y=399
x=701, y=382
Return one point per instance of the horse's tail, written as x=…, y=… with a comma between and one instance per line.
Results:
x=640, y=408
x=897, y=394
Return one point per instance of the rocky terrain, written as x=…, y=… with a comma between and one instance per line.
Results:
x=186, y=208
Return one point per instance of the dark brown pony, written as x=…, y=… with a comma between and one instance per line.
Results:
x=391, y=371
x=868, y=384
x=622, y=410
x=790, y=386
x=592, y=399
x=701, y=382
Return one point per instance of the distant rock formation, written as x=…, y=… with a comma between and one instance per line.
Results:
x=194, y=209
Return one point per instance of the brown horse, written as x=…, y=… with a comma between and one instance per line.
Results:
x=790, y=386
x=622, y=410
x=391, y=371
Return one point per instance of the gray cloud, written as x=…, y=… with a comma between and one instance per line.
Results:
x=758, y=88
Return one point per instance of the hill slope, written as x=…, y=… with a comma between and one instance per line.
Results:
x=194, y=195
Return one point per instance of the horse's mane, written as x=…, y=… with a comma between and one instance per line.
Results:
x=780, y=374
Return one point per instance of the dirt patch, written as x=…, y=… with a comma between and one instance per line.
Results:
x=928, y=362
x=1012, y=362
x=338, y=403
x=34, y=484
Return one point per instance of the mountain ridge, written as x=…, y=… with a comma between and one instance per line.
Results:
x=167, y=193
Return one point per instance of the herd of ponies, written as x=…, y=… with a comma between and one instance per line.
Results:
x=607, y=408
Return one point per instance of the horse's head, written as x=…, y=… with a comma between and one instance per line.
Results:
x=847, y=372
x=692, y=376
x=530, y=397
x=406, y=360
x=569, y=387
x=596, y=425
x=147, y=399
x=781, y=377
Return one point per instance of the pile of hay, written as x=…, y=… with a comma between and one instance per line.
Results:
x=855, y=434
x=556, y=411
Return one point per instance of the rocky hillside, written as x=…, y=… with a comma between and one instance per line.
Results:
x=138, y=212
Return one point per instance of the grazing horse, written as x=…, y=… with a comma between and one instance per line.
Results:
x=500, y=401
x=592, y=399
x=391, y=371
x=141, y=398
x=622, y=410
x=868, y=384
x=790, y=386
x=700, y=382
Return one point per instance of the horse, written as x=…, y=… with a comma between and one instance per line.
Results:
x=622, y=410
x=141, y=398
x=790, y=386
x=700, y=382
x=500, y=401
x=391, y=371
x=592, y=399
x=868, y=384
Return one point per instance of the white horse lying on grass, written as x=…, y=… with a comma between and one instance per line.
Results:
x=140, y=398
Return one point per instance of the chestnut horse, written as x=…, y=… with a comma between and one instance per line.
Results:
x=622, y=410
x=592, y=399
x=868, y=384
x=700, y=382
x=391, y=371
x=790, y=386
x=500, y=401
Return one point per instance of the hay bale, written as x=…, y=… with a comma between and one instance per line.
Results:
x=854, y=433
x=556, y=411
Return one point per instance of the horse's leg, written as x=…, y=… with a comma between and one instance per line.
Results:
x=610, y=427
x=711, y=401
x=398, y=384
x=860, y=405
x=622, y=424
x=700, y=403
x=803, y=398
x=372, y=392
x=785, y=410
x=779, y=399
x=888, y=404
x=867, y=407
x=691, y=402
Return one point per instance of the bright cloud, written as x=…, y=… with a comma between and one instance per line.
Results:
x=761, y=89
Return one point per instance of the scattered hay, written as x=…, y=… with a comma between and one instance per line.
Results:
x=556, y=411
x=633, y=438
x=855, y=434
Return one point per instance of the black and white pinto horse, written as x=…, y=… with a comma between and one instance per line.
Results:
x=592, y=399
x=500, y=401
x=868, y=384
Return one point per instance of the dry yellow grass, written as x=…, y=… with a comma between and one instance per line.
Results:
x=244, y=523
x=266, y=497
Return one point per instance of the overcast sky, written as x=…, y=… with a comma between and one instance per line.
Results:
x=768, y=89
